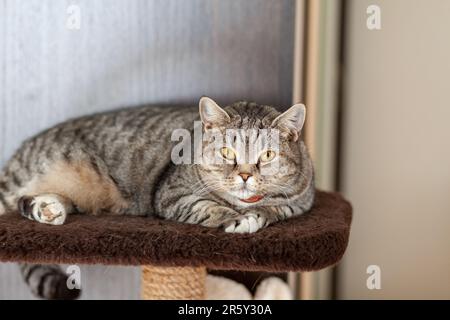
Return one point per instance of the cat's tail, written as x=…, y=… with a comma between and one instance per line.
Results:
x=48, y=282
x=3, y=204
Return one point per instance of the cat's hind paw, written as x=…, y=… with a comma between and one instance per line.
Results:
x=248, y=223
x=48, y=209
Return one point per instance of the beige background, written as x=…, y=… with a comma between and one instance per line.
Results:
x=132, y=52
x=395, y=158
x=396, y=165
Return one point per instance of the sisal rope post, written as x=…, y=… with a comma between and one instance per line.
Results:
x=172, y=283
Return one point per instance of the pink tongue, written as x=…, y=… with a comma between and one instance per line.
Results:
x=252, y=199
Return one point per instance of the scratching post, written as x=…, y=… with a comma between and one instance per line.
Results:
x=311, y=241
x=172, y=283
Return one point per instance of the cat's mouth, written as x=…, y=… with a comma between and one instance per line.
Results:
x=252, y=199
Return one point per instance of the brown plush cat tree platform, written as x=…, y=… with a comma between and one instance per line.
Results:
x=174, y=255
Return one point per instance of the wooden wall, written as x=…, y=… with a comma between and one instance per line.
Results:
x=128, y=53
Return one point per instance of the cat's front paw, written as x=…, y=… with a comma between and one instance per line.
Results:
x=247, y=223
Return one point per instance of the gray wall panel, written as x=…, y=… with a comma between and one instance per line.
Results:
x=127, y=53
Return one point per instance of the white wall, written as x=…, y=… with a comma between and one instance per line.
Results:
x=396, y=164
x=130, y=52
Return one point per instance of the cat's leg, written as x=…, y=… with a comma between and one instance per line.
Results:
x=212, y=215
x=193, y=209
x=46, y=208
x=50, y=195
x=255, y=218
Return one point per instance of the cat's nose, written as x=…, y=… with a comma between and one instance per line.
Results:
x=245, y=176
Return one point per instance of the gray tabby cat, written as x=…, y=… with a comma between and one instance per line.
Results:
x=120, y=163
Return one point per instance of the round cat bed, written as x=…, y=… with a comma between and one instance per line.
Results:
x=175, y=255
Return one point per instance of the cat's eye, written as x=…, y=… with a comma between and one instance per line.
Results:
x=267, y=156
x=227, y=153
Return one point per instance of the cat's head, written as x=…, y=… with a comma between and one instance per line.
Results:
x=252, y=153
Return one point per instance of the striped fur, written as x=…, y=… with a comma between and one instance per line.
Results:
x=47, y=281
x=120, y=163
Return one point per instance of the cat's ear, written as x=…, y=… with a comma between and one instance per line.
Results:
x=211, y=114
x=291, y=121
